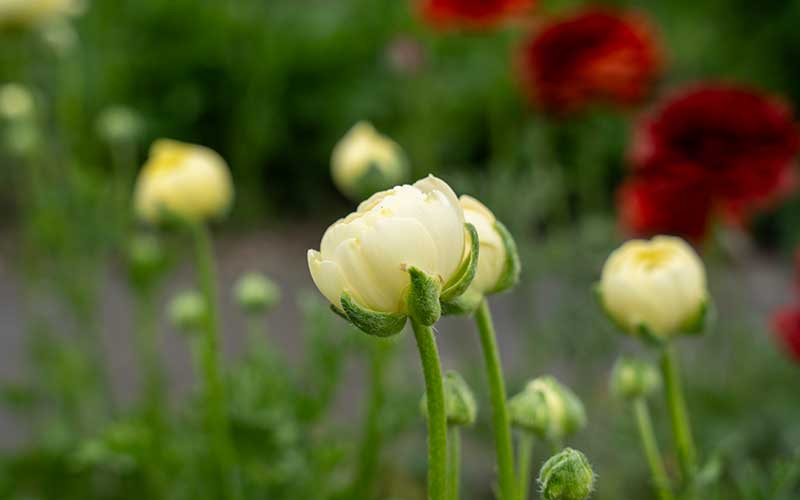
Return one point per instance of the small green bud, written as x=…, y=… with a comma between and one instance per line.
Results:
x=566, y=476
x=459, y=402
x=146, y=260
x=188, y=310
x=548, y=409
x=255, y=293
x=117, y=124
x=634, y=378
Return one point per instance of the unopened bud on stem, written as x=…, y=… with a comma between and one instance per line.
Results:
x=566, y=476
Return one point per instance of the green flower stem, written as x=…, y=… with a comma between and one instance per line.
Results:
x=215, y=403
x=681, y=430
x=437, y=419
x=500, y=422
x=524, y=462
x=453, y=462
x=650, y=447
x=372, y=437
x=153, y=399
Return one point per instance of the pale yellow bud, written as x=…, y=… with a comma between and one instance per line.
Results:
x=28, y=12
x=366, y=161
x=369, y=252
x=492, y=254
x=16, y=101
x=184, y=180
x=658, y=286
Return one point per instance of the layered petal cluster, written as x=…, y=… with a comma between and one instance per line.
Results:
x=657, y=285
x=184, y=180
x=365, y=161
x=593, y=55
x=368, y=253
x=472, y=13
x=711, y=150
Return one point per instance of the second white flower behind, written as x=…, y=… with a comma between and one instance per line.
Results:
x=368, y=253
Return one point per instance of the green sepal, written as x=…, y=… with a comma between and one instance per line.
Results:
x=466, y=303
x=512, y=266
x=462, y=278
x=698, y=324
x=340, y=313
x=422, y=299
x=375, y=323
x=649, y=336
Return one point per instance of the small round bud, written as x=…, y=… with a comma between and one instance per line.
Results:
x=188, y=310
x=366, y=161
x=459, y=402
x=548, y=409
x=146, y=260
x=16, y=102
x=656, y=288
x=117, y=124
x=566, y=476
x=256, y=293
x=634, y=378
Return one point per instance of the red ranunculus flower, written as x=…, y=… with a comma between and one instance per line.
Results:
x=709, y=150
x=590, y=56
x=786, y=324
x=472, y=13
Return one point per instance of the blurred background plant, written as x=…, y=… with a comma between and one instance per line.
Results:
x=86, y=87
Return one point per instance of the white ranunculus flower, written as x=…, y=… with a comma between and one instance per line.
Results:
x=369, y=252
x=189, y=181
x=658, y=284
x=492, y=254
x=26, y=12
x=365, y=161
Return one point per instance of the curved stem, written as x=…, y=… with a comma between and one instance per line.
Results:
x=497, y=390
x=372, y=438
x=453, y=462
x=215, y=402
x=681, y=430
x=650, y=447
x=437, y=420
x=524, y=460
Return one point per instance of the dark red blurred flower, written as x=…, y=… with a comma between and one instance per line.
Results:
x=786, y=325
x=709, y=150
x=472, y=13
x=590, y=56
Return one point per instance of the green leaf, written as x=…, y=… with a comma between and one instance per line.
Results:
x=699, y=323
x=465, y=303
x=461, y=280
x=512, y=266
x=423, y=298
x=379, y=324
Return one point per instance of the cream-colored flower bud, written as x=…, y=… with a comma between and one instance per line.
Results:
x=28, y=12
x=188, y=310
x=184, y=180
x=366, y=161
x=498, y=263
x=368, y=254
x=16, y=101
x=656, y=286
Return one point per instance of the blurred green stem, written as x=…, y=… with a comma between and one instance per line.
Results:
x=524, y=459
x=372, y=438
x=681, y=430
x=437, y=420
x=453, y=462
x=215, y=401
x=497, y=390
x=651, y=451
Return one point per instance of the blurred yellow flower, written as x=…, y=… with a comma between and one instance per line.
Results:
x=369, y=252
x=658, y=285
x=185, y=180
x=28, y=12
x=365, y=161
